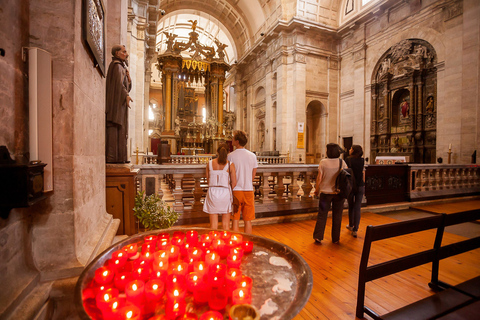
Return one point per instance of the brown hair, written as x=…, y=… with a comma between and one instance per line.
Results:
x=333, y=150
x=222, y=151
x=357, y=151
x=241, y=137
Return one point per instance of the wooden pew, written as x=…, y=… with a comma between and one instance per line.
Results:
x=449, y=299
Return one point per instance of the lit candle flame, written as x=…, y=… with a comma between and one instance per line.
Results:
x=117, y=261
x=122, y=277
x=195, y=252
x=106, y=297
x=115, y=305
x=234, y=258
x=240, y=293
x=200, y=267
x=176, y=306
x=134, y=287
x=139, y=270
x=105, y=273
x=195, y=278
x=129, y=314
x=176, y=293
x=179, y=268
x=234, y=273
x=155, y=287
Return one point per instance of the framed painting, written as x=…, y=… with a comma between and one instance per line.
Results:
x=94, y=31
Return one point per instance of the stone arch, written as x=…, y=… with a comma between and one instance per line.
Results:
x=315, y=131
x=403, y=79
x=260, y=95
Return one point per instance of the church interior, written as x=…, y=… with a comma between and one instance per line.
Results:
x=401, y=78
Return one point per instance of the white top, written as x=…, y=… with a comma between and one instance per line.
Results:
x=328, y=171
x=244, y=161
x=219, y=195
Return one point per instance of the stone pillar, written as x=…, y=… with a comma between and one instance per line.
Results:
x=359, y=96
x=168, y=102
x=220, y=106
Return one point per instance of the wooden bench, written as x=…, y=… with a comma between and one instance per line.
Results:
x=450, y=301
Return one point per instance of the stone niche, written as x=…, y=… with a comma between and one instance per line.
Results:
x=404, y=99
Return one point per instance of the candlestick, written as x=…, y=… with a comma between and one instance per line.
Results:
x=211, y=315
x=241, y=296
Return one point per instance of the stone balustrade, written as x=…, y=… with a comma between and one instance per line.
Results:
x=191, y=159
x=431, y=180
x=285, y=189
x=271, y=159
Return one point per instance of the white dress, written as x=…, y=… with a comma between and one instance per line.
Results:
x=219, y=195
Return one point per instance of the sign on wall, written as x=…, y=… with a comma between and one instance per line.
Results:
x=301, y=135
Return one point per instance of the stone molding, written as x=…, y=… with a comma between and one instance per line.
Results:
x=453, y=10
x=347, y=94
x=316, y=94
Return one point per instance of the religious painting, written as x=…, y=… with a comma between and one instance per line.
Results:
x=94, y=31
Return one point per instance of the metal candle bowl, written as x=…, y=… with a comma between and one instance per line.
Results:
x=256, y=265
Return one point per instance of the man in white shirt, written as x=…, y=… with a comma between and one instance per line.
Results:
x=246, y=168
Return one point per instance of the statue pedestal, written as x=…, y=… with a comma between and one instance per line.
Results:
x=120, y=195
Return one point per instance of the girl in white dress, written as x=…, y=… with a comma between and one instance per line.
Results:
x=221, y=179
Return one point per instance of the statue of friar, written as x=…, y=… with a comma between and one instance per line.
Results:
x=117, y=104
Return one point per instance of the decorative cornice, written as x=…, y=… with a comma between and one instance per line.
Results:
x=316, y=94
x=347, y=94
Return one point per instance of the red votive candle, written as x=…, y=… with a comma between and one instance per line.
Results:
x=189, y=316
x=179, y=268
x=211, y=258
x=192, y=237
x=135, y=290
x=163, y=244
x=219, y=246
x=116, y=265
x=201, y=293
x=110, y=312
x=103, y=275
x=154, y=290
x=160, y=265
x=173, y=252
x=206, y=238
x=103, y=297
x=162, y=275
x=184, y=249
x=131, y=249
x=215, y=234
x=233, y=276
x=218, y=298
x=200, y=267
x=238, y=238
x=241, y=296
x=160, y=255
x=148, y=247
x=120, y=255
x=163, y=236
x=245, y=283
x=233, y=261
x=129, y=312
x=237, y=251
x=141, y=273
x=121, y=279
x=178, y=234
x=226, y=235
x=176, y=294
x=175, y=309
x=152, y=239
x=247, y=246
x=193, y=279
x=177, y=241
x=174, y=281
x=217, y=269
x=195, y=254
x=211, y=315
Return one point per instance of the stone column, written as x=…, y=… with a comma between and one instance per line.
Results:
x=220, y=106
x=168, y=102
x=359, y=95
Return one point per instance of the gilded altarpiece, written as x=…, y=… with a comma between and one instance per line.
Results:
x=404, y=101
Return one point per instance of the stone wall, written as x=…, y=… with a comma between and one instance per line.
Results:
x=54, y=239
x=452, y=28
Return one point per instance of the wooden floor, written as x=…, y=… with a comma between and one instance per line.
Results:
x=335, y=266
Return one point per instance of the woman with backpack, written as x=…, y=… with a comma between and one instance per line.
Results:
x=357, y=164
x=328, y=170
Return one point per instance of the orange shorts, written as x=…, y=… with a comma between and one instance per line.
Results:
x=247, y=205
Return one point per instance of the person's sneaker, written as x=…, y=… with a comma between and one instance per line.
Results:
x=354, y=234
x=349, y=228
x=318, y=240
x=336, y=242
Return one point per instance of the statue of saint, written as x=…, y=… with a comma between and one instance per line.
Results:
x=430, y=107
x=118, y=85
x=405, y=108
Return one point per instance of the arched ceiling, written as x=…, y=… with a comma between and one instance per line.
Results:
x=234, y=21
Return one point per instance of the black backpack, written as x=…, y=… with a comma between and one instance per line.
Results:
x=345, y=180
